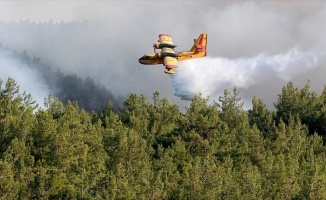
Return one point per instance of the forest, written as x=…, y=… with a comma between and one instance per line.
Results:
x=148, y=149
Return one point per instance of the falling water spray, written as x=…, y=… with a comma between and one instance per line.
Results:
x=211, y=76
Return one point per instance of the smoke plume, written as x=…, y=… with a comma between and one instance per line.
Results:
x=103, y=40
x=210, y=76
x=28, y=79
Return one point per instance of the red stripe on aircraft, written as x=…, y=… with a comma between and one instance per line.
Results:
x=170, y=66
x=163, y=34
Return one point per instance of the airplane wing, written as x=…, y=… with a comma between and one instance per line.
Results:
x=165, y=39
x=167, y=52
x=169, y=64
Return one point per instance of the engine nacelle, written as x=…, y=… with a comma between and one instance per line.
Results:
x=163, y=45
x=170, y=54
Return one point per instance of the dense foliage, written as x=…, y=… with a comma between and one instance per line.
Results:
x=153, y=151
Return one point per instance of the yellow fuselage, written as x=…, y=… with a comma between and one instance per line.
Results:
x=153, y=58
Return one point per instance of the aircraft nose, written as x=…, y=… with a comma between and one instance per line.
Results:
x=140, y=60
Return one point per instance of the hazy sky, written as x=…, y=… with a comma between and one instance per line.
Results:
x=65, y=10
x=112, y=35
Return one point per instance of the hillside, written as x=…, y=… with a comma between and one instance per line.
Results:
x=91, y=96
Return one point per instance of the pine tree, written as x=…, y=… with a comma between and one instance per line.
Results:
x=130, y=165
x=307, y=105
x=9, y=187
x=260, y=116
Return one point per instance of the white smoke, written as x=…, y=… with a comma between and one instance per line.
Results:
x=210, y=76
x=28, y=79
x=90, y=43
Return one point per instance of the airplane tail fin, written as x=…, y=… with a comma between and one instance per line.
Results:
x=200, y=44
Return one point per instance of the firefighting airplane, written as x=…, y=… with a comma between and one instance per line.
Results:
x=168, y=57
